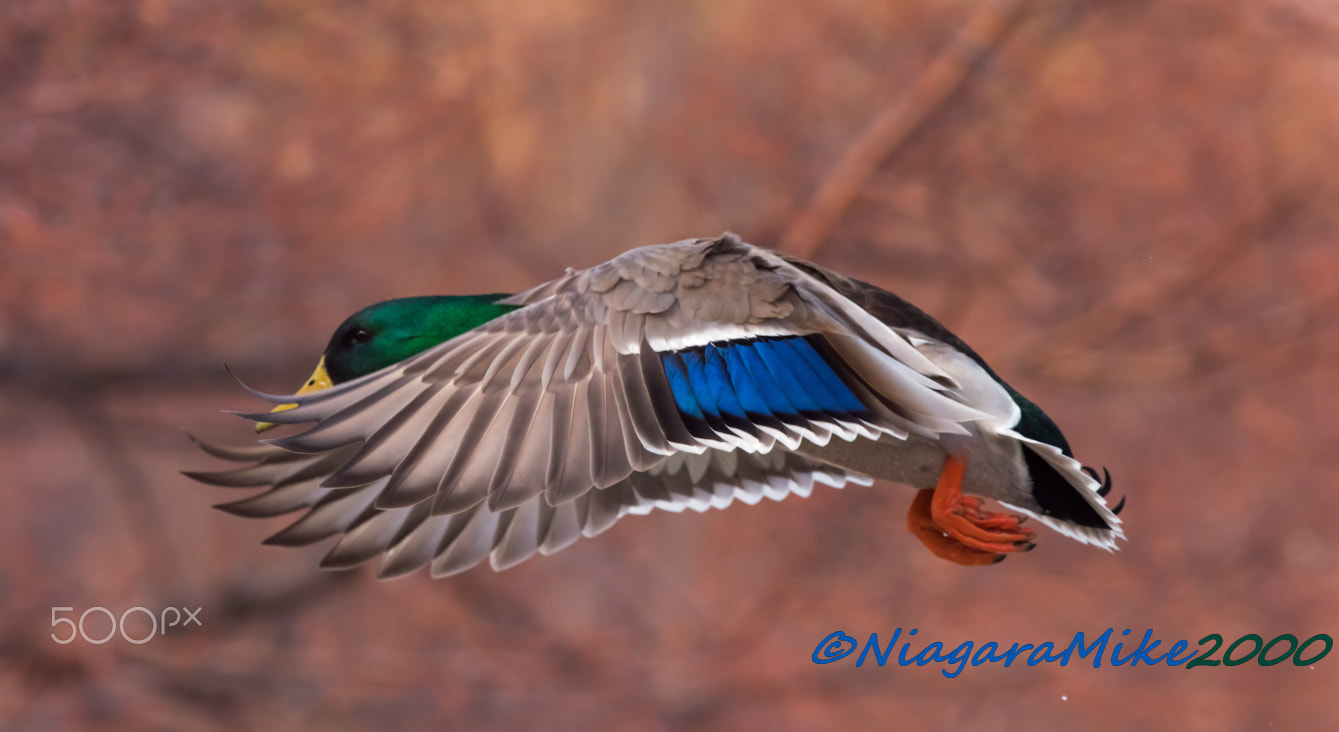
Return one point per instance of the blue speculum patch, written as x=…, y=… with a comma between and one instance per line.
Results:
x=757, y=378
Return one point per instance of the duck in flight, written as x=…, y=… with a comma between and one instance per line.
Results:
x=444, y=430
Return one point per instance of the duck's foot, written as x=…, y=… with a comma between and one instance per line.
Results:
x=954, y=527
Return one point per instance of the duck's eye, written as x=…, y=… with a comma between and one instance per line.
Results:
x=362, y=335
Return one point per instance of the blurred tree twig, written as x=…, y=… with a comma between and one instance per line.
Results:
x=1059, y=353
x=895, y=125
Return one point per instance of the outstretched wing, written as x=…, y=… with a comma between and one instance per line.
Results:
x=607, y=373
x=409, y=537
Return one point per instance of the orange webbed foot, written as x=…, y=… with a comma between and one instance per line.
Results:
x=953, y=526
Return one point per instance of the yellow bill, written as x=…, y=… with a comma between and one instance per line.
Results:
x=319, y=380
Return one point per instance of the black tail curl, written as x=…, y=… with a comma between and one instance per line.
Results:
x=1105, y=480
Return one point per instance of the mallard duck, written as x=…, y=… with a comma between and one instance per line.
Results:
x=684, y=375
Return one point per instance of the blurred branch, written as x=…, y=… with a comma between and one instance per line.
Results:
x=107, y=448
x=1050, y=352
x=968, y=245
x=895, y=125
x=1287, y=331
x=46, y=376
x=211, y=692
x=257, y=598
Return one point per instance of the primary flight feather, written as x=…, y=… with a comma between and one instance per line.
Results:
x=684, y=375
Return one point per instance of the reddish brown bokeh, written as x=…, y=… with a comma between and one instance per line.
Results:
x=1128, y=207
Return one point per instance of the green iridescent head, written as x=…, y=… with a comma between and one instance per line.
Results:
x=391, y=331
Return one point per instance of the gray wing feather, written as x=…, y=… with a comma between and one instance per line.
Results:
x=410, y=537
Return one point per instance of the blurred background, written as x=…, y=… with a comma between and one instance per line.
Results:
x=1128, y=207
